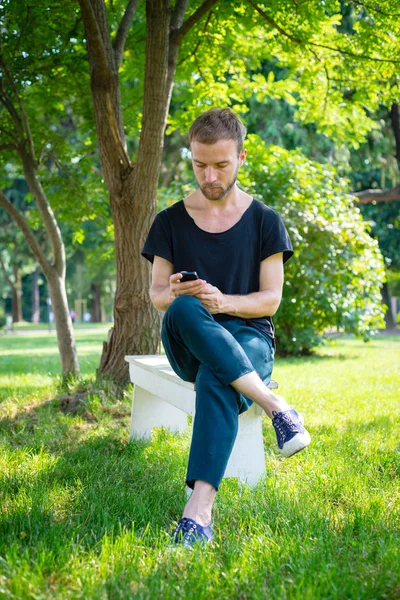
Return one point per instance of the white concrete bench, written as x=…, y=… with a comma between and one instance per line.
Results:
x=161, y=398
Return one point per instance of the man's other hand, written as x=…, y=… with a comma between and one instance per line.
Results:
x=211, y=298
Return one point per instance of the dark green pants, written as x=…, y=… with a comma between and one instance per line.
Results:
x=213, y=355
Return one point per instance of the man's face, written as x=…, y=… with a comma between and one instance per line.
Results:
x=216, y=167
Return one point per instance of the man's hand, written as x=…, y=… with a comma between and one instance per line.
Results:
x=211, y=298
x=186, y=288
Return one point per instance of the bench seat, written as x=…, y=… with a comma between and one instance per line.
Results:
x=162, y=399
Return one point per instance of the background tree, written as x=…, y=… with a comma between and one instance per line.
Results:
x=42, y=143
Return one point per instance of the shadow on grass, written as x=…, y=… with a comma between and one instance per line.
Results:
x=85, y=489
x=94, y=487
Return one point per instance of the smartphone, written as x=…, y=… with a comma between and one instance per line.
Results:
x=189, y=276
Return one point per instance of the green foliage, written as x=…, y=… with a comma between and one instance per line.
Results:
x=330, y=64
x=335, y=275
x=333, y=68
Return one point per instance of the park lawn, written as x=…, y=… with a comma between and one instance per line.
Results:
x=85, y=514
x=27, y=326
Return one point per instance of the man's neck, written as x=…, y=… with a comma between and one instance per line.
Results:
x=235, y=199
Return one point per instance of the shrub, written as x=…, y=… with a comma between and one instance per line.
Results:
x=335, y=275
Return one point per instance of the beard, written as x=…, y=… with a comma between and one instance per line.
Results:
x=218, y=192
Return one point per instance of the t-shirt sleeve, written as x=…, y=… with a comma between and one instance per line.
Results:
x=159, y=240
x=276, y=239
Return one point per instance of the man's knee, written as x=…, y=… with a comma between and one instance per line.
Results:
x=182, y=306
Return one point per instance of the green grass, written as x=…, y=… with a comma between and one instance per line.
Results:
x=27, y=326
x=85, y=514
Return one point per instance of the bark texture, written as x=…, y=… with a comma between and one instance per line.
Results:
x=133, y=188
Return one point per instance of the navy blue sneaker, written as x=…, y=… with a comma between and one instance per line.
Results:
x=290, y=431
x=188, y=533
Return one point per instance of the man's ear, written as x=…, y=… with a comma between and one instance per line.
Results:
x=242, y=156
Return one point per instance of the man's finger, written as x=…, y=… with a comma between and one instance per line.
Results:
x=192, y=285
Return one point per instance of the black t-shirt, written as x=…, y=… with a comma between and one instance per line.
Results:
x=229, y=260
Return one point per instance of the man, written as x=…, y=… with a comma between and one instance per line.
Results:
x=217, y=330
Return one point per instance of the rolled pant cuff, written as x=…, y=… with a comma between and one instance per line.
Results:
x=240, y=374
x=190, y=482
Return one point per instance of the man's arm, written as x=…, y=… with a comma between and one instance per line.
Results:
x=160, y=292
x=264, y=303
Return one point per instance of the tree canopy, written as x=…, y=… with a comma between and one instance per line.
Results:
x=92, y=89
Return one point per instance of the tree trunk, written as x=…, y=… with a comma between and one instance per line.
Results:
x=133, y=201
x=53, y=269
x=133, y=189
x=35, y=296
x=65, y=332
x=55, y=272
x=16, y=295
x=389, y=320
x=96, y=303
x=16, y=303
x=395, y=120
x=136, y=327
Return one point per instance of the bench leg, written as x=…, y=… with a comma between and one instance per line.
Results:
x=247, y=460
x=149, y=411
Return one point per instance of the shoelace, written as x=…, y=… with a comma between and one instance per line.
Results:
x=284, y=424
x=188, y=533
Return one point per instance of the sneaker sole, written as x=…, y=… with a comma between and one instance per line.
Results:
x=297, y=443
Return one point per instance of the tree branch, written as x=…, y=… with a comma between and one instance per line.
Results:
x=193, y=53
x=274, y=23
x=178, y=14
x=10, y=135
x=28, y=234
x=124, y=26
x=123, y=155
x=375, y=9
x=8, y=147
x=373, y=196
x=5, y=100
x=308, y=43
x=45, y=210
x=347, y=53
x=193, y=19
x=94, y=38
x=24, y=115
